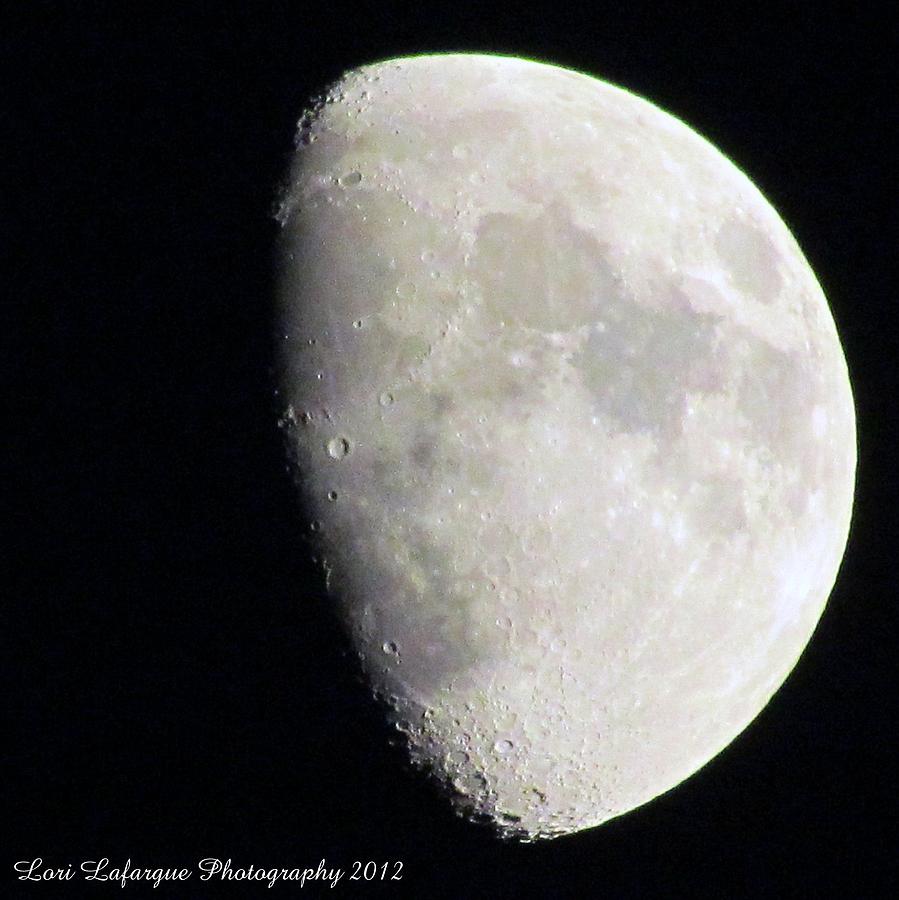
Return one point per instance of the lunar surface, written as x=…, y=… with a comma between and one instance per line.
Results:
x=572, y=423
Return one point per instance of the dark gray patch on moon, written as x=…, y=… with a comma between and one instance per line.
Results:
x=777, y=392
x=640, y=363
x=543, y=273
x=425, y=614
x=751, y=259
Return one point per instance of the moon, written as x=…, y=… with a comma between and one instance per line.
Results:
x=573, y=428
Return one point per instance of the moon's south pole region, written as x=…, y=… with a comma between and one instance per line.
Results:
x=572, y=424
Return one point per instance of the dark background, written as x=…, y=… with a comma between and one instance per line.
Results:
x=177, y=689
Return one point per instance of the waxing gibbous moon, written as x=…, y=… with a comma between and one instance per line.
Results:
x=572, y=423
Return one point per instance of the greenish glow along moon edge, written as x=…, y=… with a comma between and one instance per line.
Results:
x=573, y=426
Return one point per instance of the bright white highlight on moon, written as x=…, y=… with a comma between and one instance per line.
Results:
x=573, y=425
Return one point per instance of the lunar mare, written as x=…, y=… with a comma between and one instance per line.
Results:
x=573, y=426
